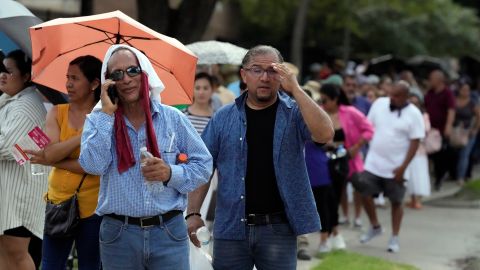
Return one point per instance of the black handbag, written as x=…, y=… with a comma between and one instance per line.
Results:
x=338, y=165
x=338, y=168
x=61, y=220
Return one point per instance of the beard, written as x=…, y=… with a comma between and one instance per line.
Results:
x=265, y=97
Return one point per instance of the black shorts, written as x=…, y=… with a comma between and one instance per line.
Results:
x=327, y=207
x=369, y=184
x=19, y=232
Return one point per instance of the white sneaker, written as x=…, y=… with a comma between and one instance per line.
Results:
x=343, y=220
x=324, y=248
x=380, y=200
x=357, y=223
x=338, y=242
x=371, y=233
x=393, y=245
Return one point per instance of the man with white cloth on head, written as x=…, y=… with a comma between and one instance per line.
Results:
x=142, y=227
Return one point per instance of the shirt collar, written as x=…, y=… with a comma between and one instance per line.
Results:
x=283, y=99
x=25, y=91
x=155, y=106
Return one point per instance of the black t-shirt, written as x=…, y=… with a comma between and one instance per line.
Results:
x=262, y=195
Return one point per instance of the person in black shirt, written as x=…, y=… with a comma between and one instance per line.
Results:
x=264, y=198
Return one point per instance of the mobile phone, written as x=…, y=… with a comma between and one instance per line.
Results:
x=112, y=93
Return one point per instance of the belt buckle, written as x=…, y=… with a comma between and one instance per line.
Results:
x=253, y=217
x=145, y=226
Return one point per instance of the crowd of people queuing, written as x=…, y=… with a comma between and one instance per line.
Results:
x=286, y=153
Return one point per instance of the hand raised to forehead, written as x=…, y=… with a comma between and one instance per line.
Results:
x=287, y=77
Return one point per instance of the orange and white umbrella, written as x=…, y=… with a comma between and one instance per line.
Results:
x=57, y=42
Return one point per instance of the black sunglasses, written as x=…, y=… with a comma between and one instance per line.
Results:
x=118, y=74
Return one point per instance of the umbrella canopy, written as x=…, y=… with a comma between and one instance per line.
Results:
x=422, y=65
x=217, y=52
x=15, y=19
x=385, y=64
x=6, y=44
x=55, y=43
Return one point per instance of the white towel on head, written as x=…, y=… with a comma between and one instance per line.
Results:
x=154, y=83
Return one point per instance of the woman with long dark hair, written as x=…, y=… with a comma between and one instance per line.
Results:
x=64, y=128
x=352, y=131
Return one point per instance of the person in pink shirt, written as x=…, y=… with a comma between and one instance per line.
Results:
x=352, y=130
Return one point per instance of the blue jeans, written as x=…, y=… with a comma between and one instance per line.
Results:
x=464, y=157
x=126, y=246
x=272, y=246
x=56, y=250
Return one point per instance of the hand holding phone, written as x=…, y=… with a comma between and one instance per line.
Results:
x=112, y=93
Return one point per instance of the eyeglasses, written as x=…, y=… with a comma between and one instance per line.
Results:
x=258, y=72
x=118, y=74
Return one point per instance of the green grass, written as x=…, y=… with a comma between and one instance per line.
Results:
x=354, y=261
x=473, y=186
x=470, y=191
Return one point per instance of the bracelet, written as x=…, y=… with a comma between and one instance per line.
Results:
x=192, y=214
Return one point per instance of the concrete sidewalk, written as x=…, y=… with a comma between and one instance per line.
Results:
x=432, y=238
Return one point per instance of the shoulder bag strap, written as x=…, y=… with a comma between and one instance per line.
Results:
x=81, y=182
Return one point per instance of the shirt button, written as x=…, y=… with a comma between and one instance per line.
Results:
x=241, y=138
x=241, y=197
x=242, y=220
x=243, y=178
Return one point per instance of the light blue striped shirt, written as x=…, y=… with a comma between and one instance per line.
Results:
x=127, y=193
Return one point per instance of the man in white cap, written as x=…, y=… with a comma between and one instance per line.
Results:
x=143, y=226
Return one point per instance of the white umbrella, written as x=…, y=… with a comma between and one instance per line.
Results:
x=15, y=19
x=217, y=52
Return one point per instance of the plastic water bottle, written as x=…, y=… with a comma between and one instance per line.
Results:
x=203, y=235
x=341, y=151
x=152, y=186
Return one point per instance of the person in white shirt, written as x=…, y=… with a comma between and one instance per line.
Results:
x=399, y=127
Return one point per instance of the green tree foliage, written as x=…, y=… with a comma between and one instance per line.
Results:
x=267, y=21
x=401, y=27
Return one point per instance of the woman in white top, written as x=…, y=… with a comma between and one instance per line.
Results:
x=201, y=111
x=22, y=208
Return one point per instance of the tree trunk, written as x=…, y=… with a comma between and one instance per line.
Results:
x=298, y=33
x=86, y=7
x=346, y=31
x=192, y=19
x=346, y=44
x=187, y=23
x=154, y=14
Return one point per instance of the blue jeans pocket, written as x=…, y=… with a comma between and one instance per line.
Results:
x=176, y=228
x=281, y=229
x=110, y=231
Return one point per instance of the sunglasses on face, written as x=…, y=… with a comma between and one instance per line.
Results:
x=258, y=72
x=118, y=74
